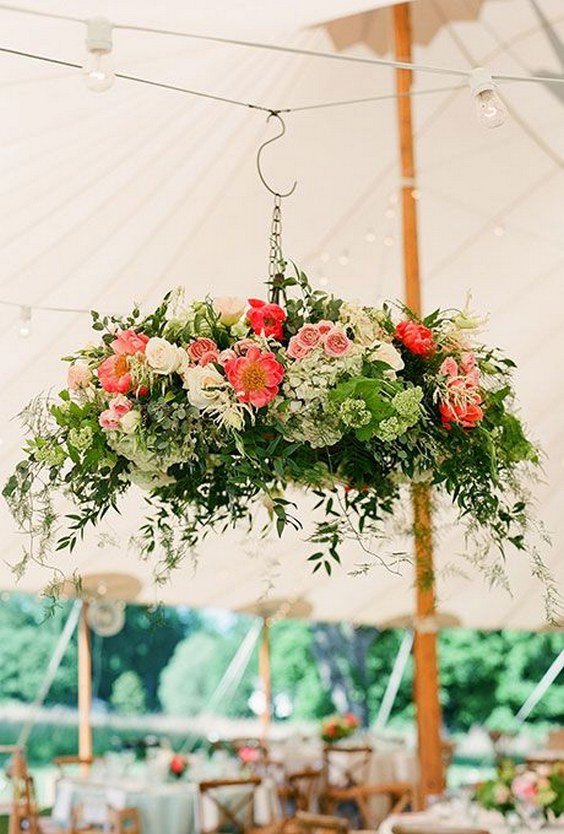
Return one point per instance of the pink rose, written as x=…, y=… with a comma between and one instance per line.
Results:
x=449, y=367
x=336, y=343
x=226, y=355
x=109, y=420
x=199, y=347
x=325, y=326
x=297, y=350
x=243, y=345
x=308, y=336
x=120, y=405
x=208, y=356
x=78, y=377
x=128, y=343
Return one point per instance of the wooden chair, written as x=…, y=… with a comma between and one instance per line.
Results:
x=81, y=820
x=235, y=809
x=304, y=788
x=400, y=797
x=320, y=824
x=433, y=828
x=125, y=821
x=346, y=766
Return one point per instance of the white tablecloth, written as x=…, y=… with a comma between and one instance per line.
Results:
x=486, y=820
x=174, y=808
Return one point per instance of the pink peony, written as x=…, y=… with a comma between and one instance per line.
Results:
x=296, y=349
x=114, y=374
x=449, y=367
x=109, y=420
x=199, y=347
x=266, y=319
x=78, y=377
x=128, y=343
x=120, y=405
x=255, y=377
x=416, y=337
x=308, y=335
x=336, y=343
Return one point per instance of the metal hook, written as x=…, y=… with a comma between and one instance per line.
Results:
x=263, y=146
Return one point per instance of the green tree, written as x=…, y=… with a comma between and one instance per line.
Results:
x=128, y=695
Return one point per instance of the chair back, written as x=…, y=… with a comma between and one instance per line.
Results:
x=228, y=805
x=89, y=816
x=67, y=765
x=304, y=788
x=307, y=823
x=125, y=821
x=347, y=766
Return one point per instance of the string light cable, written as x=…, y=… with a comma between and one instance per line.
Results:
x=290, y=50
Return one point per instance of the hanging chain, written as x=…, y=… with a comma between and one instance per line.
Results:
x=276, y=262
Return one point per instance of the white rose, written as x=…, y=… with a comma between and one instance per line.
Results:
x=388, y=354
x=161, y=355
x=183, y=361
x=129, y=422
x=204, y=385
x=229, y=309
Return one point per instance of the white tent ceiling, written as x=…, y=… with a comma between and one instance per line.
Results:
x=121, y=196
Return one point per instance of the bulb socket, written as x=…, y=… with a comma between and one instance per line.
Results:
x=480, y=80
x=99, y=35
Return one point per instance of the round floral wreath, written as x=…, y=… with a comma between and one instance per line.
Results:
x=216, y=404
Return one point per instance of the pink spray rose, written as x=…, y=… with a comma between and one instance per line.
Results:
x=120, y=405
x=109, y=420
x=336, y=343
x=199, y=347
x=79, y=377
x=296, y=349
x=308, y=335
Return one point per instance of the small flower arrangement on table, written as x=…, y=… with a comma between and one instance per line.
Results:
x=218, y=406
x=337, y=727
x=177, y=766
x=524, y=789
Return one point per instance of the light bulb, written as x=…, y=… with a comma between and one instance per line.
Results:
x=344, y=259
x=25, y=322
x=325, y=257
x=323, y=280
x=390, y=213
x=490, y=109
x=98, y=68
x=388, y=240
x=370, y=236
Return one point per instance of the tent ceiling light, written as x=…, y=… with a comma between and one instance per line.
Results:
x=490, y=109
x=98, y=68
x=25, y=322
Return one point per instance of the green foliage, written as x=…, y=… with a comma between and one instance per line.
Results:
x=360, y=419
x=128, y=695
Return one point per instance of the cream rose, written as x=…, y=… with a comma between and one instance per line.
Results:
x=229, y=309
x=129, y=422
x=79, y=377
x=162, y=357
x=204, y=384
x=387, y=353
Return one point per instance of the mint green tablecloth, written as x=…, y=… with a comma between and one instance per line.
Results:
x=170, y=808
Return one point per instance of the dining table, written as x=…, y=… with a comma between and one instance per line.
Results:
x=175, y=807
x=457, y=817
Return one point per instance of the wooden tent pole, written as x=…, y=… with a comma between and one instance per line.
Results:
x=426, y=686
x=84, y=686
x=265, y=677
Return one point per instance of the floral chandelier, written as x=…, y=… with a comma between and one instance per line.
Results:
x=215, y=405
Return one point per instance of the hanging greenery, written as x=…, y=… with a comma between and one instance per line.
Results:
x=215, y=405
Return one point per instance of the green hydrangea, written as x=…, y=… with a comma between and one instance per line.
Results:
x=354, y=413
x=50, y=454
x=81, y=439
x=390, y=429
x=407, y=404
